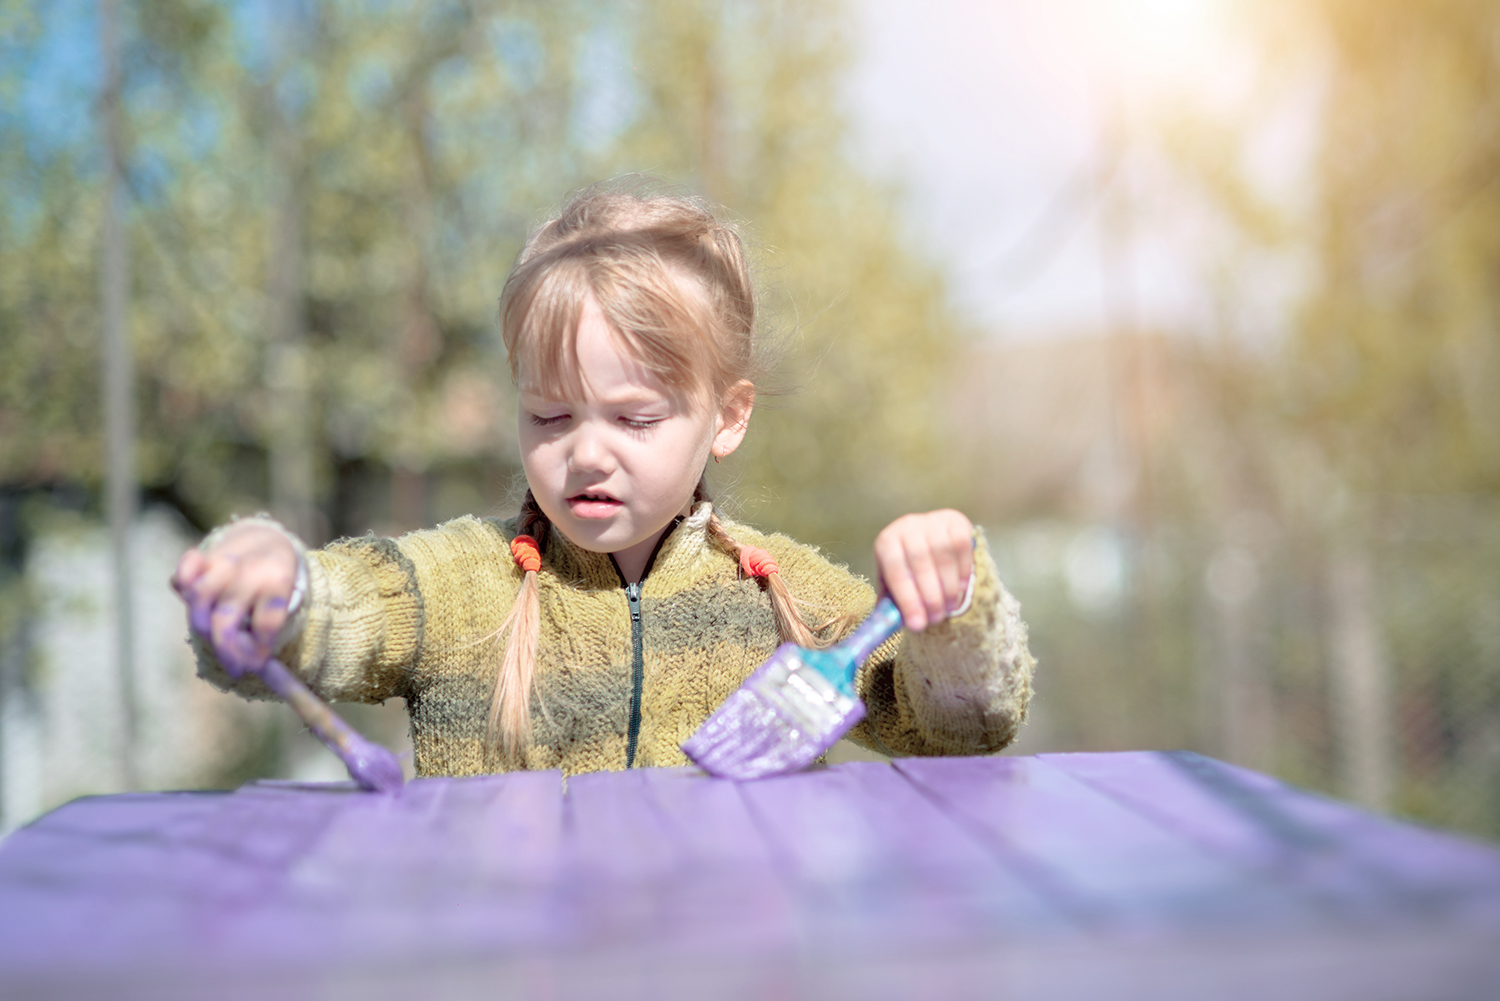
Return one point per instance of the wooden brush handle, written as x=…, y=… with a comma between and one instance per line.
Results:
x=372, y=766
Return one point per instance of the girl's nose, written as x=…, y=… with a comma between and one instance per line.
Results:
x=587, y=450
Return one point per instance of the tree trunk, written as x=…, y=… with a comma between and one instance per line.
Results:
x=288, y=372
x=1246, y=701
x=122, y=489
x=1359, y=683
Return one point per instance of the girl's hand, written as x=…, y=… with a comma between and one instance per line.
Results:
x=238, y=593
x=925, y=563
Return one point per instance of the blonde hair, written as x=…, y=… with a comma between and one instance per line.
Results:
x=671, y=278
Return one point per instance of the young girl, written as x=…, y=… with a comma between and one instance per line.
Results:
x=600, y=626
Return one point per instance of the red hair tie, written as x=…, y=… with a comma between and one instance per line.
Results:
x=757, y=562
x=524, y=550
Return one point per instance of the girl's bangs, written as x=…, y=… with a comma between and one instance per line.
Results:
x=541, y=327
x=654, y=316
x=655, y=320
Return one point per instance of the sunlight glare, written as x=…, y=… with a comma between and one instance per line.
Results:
x=1153, y=48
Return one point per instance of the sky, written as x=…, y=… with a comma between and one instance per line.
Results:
x=990, y=117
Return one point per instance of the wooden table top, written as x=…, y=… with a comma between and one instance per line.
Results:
x=1143, y=874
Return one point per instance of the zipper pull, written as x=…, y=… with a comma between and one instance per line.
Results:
x=633, y=595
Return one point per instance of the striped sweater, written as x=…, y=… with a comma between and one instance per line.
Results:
x=417, y=618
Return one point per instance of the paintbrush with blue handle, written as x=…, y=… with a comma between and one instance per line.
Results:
x=793, y=708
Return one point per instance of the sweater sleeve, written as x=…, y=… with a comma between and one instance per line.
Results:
x=368, y=621
x=959, y=687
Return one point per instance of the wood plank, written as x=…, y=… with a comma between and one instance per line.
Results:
x=1289, y=968
x=125, y=878
x=58, y=878
x=299, y=872
x=1357, y=864
x=449, y=866
x=1124, y=872
x=1131, y=875
x=877, y=865
x=669, y=859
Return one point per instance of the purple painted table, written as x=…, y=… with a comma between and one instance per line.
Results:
x=1152, y=875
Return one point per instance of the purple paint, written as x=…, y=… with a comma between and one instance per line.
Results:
x=1109, y=866
x=941, y=877
x=655, y=853
x=200, y=617
x=300, y=873
x=1329, y=850
x=875, y=861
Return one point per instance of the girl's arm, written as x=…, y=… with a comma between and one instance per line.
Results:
x=377, y=613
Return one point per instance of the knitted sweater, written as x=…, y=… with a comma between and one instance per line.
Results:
x=418, y=617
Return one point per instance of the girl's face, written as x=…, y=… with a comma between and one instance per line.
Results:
x=612, y=468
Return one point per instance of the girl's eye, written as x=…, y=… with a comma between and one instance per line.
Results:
x=545, y=422
x=640, y=423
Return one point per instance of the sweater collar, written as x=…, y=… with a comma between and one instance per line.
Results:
x=680, y=546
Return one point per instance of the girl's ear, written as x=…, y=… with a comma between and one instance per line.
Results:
x=734, y=418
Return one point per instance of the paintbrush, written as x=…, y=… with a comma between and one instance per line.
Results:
x=374, y=767
x=371, y=766
x=793, y=708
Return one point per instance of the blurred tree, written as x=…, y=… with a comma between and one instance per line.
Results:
x=1373, y=428
x=1399, y=351
x=326, y=196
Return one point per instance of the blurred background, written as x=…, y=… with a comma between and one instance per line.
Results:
x=1192, y=304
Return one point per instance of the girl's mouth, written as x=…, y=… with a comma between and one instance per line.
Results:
x=591, y=504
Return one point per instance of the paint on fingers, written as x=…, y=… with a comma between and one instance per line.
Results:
x=200, y=616
x=234, y=644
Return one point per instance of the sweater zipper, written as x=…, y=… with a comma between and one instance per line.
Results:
x=637, y=672
x=638, y=657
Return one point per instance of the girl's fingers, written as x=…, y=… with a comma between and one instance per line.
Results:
x=907, y=568
x=207, y=592
x=220, y=575
x=238, y=593
x=189, y=569
x=268, y=618
x=908, y=599
x=948, y=536
x=927, y=577
x=926, y=562
x=961, y=547
x=248, y=617
x=890, y=559
x=232, y=640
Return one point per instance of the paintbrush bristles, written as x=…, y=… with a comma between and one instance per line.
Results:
x=793, y=708
x=780, y=720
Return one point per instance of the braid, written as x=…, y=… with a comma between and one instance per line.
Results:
x=531, y=521
x=510, y=703
x=788, y=622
